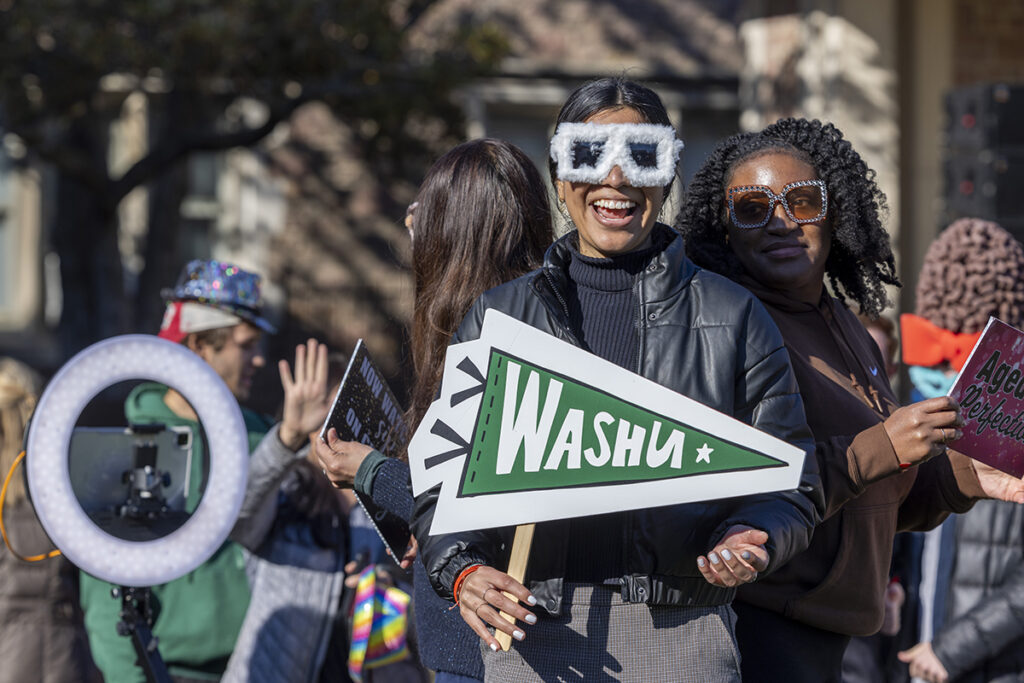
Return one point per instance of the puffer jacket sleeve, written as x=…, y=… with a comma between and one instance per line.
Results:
x=445, y=556
x=768, y=398
x=987, y=629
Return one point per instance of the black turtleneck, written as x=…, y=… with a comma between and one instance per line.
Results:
x=603, y=312
x=603, y=307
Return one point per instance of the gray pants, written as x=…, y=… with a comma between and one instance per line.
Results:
x=598, y=637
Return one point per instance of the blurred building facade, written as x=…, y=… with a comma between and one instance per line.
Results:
x=305, y=209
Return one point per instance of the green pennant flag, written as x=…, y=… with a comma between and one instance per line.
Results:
x=537, y=430
x=528, y=428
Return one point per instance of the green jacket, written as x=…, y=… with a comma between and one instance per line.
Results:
x=197, y=616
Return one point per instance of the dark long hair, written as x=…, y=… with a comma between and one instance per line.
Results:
x=483, y=219
x=611, y=93
x=860, y=262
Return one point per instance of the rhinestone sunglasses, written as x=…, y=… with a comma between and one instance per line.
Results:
x=752, y=206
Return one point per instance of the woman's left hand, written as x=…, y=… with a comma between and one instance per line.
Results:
x=997, y=484
x=339, y=459
x=737, y=558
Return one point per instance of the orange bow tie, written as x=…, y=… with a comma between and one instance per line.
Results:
x=927, y=344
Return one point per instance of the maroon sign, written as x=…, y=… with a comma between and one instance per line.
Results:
x=990, y=389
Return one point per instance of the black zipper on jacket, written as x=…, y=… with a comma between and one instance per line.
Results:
x=566, y=326
x=638, y=290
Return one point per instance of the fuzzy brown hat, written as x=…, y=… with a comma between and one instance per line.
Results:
x=973, y=270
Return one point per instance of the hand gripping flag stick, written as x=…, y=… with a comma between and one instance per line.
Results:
x=517, y=570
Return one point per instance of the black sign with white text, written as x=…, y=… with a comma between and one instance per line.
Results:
x=365, y=410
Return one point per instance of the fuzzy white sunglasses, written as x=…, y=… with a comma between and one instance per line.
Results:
x=647, y=153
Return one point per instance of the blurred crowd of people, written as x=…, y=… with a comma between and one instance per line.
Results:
x=897, y=557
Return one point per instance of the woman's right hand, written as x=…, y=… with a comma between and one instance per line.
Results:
x=921, y=430
x=481, y=598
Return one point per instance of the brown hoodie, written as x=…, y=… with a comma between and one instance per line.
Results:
x=837, y=584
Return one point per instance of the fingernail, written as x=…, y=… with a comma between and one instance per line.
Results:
x=531, y=618
x=714, y=558
x=745, y=555
x=701, y=562
x=530, y=600
x=518, y=635
x=494, y=648
x=726, y=555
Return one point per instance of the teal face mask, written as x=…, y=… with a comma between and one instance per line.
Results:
x=931, y=382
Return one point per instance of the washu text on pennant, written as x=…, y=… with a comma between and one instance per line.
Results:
x=529, y=428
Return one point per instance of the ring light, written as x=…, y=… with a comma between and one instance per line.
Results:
x=101, y=554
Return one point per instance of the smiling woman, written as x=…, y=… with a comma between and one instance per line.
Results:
x=612, y=216
x=611, y=597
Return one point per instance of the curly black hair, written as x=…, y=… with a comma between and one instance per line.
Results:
x=860, y=262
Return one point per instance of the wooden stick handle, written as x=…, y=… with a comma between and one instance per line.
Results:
x=517, y=570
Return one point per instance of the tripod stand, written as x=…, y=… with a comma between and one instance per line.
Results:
x=136, y=619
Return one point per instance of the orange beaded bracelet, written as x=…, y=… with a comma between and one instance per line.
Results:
x=462, y=577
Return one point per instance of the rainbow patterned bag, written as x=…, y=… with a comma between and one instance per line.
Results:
x=379, y=624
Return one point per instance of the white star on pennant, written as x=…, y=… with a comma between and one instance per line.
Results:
x=704, y=454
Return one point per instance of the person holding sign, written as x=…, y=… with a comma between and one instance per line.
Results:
x=641, y=595
x=481, y=218
x=778, y=211
x=972, y=585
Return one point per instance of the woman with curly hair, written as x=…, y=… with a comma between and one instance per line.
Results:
x=779, y=211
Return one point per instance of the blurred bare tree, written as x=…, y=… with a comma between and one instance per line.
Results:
x=67, y=67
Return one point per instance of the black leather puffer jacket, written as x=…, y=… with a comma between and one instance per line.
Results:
x=702, y=336
x=982, y=638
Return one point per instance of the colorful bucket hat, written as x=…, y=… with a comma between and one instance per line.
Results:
x=209, y=284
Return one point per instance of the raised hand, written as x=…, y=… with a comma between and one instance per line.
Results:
x=737, y=558
x=921, y=430
x=306, y=400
